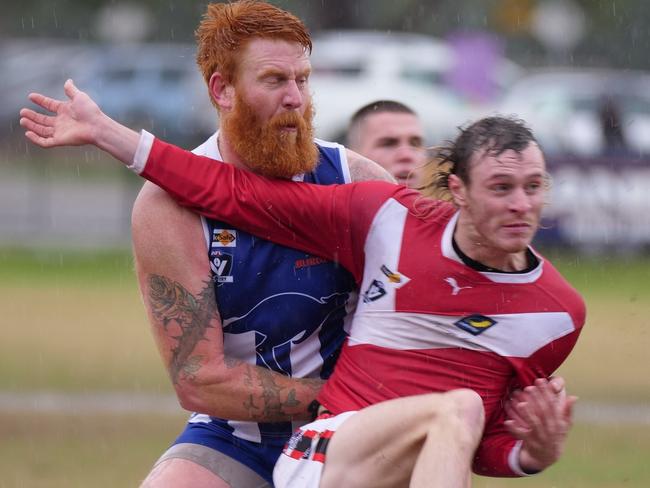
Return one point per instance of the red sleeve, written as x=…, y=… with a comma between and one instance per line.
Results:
x=329, y=221
x=498, y=453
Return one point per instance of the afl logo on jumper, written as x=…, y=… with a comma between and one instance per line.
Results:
x=475, y=324
x=221, y=265
x=224, y=238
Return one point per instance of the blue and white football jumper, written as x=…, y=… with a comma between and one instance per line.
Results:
x=282, y=309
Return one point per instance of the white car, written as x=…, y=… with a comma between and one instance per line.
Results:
x=599, y=196
x=353, y=68
x=563, y=107
x=155, y=86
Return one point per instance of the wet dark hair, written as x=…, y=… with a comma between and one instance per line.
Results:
x=491, y=134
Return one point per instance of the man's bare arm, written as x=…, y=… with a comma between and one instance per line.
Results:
x=362, y=168
x=175, y=282
x=78, y=121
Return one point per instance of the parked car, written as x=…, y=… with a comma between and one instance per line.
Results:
x=34, y=65
x=568, y=108
x=600, y=176
x=352, y=68
x=155, y=86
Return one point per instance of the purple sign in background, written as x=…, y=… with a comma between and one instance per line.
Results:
x=478, y=55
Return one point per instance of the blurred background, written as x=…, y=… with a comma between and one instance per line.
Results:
x=83, y=397
x=574, y=70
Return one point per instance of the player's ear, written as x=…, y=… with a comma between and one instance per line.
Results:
x=222, y=93
x=457, y=189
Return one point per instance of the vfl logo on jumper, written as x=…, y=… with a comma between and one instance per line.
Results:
x=277, y=325
x=475, y=324
x=455, y=289
x=375, y=291
x=224, y=238
x=221, y=266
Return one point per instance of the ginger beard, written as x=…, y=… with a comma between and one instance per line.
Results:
x=266, y=147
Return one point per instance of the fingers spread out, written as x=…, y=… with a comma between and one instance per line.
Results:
x=70, y=88
x=46, y=102
x=38, y=140
x=40, y=129
x=35, y=117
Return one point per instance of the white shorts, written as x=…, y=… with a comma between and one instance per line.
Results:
x=301, y=463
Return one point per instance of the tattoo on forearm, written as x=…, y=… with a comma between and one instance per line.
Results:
x=273, y=405
x=270, y=404
x=171, y=302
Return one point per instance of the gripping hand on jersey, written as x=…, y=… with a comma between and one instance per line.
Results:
x=75, y=122
x=541, y=416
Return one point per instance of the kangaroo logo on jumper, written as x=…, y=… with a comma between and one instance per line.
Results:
x=475, y=324
x=221, y=266
x=375, y=291
x=224, y=238
x=455, y=289
x=277, y=324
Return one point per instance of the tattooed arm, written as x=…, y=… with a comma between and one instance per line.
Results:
x=362, y=168
x=175, y=282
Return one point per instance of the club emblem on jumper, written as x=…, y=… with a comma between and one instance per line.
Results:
x=475, y=324
x=224, y=238
x=455, y=289
x=375, y=291
x=221, y=265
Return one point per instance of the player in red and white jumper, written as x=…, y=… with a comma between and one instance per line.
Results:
x=457, y=311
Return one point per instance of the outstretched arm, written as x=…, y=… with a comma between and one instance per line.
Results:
x=282, y=211
x=76, y=122
x=174, y=280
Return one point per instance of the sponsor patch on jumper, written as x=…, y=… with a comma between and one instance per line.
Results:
x=224, y=238
x=308, y=261
x=475, y=324
x=395, y=278
x=392, y=277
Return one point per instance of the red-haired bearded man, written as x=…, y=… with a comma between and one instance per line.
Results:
x=247, y=329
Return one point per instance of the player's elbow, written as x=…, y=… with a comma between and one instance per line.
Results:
x=201, y=392
x=190, y=400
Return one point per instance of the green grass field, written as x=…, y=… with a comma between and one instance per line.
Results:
x=74, y=322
